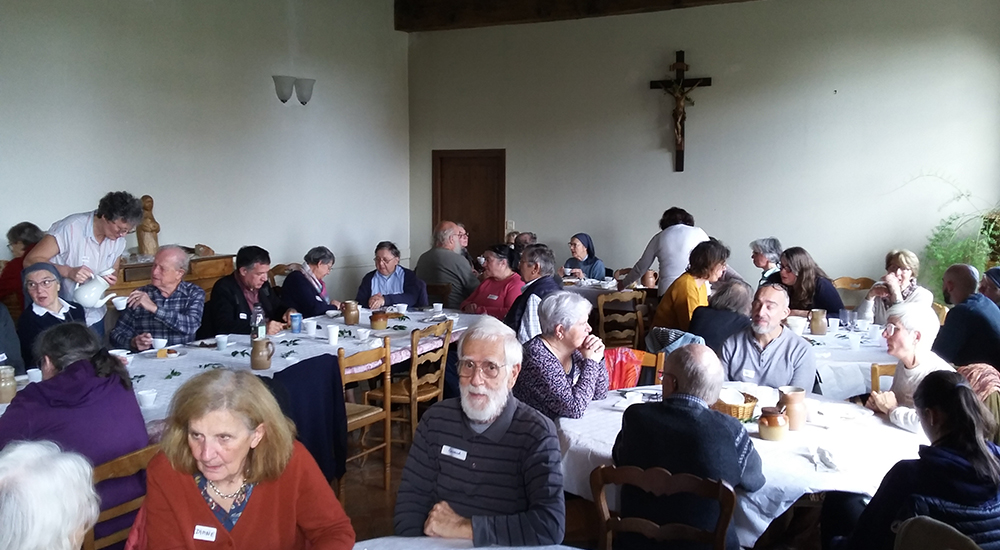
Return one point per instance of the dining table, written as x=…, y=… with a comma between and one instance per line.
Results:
x=842, y=447
x=434, y=543
x=844, y=372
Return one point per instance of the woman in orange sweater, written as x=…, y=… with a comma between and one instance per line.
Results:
x=231, y=475
x=706, y=264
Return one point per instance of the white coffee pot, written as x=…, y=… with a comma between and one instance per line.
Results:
x=89, y=293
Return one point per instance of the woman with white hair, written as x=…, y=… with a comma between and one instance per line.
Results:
x=897, y=286
x=909, y=333
x=563, y=367
x=766, y=254
x=47, y=498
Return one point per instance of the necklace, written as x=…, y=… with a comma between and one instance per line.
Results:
x=223, y=495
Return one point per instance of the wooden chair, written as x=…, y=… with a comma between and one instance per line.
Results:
x=419, y=388
x=279, y=270
x=849, y=283
x=438, y=293
x=626, y=328
x=941, y=310
x=361, y=416
x=13, y=306
x=878, y=371
x=122, y=466
x=655, y=360
x=660, y=482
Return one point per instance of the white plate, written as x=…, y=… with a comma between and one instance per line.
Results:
x=331, y=313
x=180, y=353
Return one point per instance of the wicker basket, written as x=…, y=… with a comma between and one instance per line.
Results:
x=740, y=412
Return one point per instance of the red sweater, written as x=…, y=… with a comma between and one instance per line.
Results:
x=281, y=515
x=495, y=297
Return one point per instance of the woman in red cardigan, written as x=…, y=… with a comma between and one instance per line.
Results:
x=231, y=475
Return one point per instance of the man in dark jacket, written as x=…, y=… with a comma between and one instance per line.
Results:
x=684, y=436
x=537, y=267
x=233, y=297
x=971, y=331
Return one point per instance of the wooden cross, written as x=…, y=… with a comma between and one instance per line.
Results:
x=679, y=88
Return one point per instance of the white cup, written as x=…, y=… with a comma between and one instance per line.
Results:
x=333, y=334
x=862, y=324
x=221, y=341
x=362, y=333
x=310, y=326
x=855, y=339
x=874, y=332
x=438, y=307
x=34, y=375
x=400, y=308
x=834, y=324
x=797, y=324
x=146, y=398
x=159, y=343
x=120, y=302
x=124, y=354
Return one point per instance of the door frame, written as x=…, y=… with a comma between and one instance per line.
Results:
x=438, y=155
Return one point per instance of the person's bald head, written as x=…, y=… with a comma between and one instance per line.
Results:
x=959, y=282
x=445, y=235
x=695, y=370
x=169, y=266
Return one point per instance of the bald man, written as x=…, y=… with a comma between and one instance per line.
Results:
x=445, y=264
x=971, y=331
x=683, y=435
x=168, y=308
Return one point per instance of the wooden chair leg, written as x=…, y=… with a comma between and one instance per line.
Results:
x=341, y=483
x=413, y=419
x=387, y=454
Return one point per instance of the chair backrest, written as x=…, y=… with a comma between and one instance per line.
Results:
x=438, y=293
x=624, y=328
x=279, y=270
x=13, y=306
x=926, y=533
x=381, y=355
x=850, y=283
x=655, y=360
x=941, y=310
x=878, y=371
x=979, y=523
x=660, y=482
x=440, y=355
x=122, y=466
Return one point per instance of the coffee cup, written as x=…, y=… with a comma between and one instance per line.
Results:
x=797, y=324
x=159, y=343
x=34, y=375
x=362, y=333
x=123, y=354
x=221, y=341
x=333, y=334
x=400, y=308
x=834, y=323
x=146, y=398
x=874, y=332
x=438, y=307
x=862, y=324
x=120, y=302
x=310, y=327
x=855, y=339
x=296, y=322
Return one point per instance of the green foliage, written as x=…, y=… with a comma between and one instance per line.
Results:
x=957, y=240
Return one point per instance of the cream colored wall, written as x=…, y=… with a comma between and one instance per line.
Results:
x=175, y=99
x=824, y=125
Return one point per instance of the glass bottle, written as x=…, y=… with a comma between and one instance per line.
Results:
x=258, y=323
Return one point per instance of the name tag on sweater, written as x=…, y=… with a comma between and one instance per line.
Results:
x=492, y=297
x=453, y=452
x=202, y=532
x=243, y=316
x=318, y=299
x=749, y=374
x=3, y=357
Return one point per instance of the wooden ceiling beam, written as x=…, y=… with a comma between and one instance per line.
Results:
x=438, y=15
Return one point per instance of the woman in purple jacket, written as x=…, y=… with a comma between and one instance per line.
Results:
x=85, y=404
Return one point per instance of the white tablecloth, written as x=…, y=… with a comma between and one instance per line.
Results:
x=428, y=543
x=167, y=375
x=865, y=448
x=845, y=373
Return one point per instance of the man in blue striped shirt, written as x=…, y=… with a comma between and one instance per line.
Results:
x=168, y=308
x=484, y=467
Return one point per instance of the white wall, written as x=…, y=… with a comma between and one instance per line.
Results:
x=821, y=119
x=174, y=99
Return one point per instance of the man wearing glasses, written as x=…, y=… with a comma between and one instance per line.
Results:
x=444, y=264
x=82, y=245
x=484, y=467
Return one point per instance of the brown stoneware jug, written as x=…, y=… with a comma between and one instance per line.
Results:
x=773, y=424
x=262, y=349
x=793, y=399
x=351, y=312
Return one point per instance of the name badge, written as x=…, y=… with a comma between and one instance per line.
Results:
x=202, y=532
x=749, y=374
x=243, y=316
x=318, y=299
x=3, y=357
x=492, y=297
x=453, y=452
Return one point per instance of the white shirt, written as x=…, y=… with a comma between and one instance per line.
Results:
x=61, y=314
x=77, y=246
x=904, y=384
x=671, y=248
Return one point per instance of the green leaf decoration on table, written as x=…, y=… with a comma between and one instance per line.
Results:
x=287, y=354
x=211, y=366
x=345, y=332
x=398, y=327
x=241, y=352
x=173, y=374
x=292, y=342
x=137, y=378
x=403, y=318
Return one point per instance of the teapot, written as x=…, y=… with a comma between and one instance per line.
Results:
x=89, y=293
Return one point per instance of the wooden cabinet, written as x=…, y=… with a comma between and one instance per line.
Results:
x=204, y=272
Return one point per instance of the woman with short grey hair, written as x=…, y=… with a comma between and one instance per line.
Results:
x=304, y=289
x=47, y=498
x=727, y=313
x=563, y=367
x=766, y=255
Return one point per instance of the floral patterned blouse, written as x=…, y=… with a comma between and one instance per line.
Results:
x=227, y=519
x=545, y=385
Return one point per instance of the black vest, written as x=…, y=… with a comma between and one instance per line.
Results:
x=541, y=288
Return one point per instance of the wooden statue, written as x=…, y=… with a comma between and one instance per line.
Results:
x=148, y=229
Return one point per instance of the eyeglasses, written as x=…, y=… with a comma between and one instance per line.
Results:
x=890, y=329
x=122, y=228
x=44, y=283
x=467, y=368
x=385, y=261
x=460, y=235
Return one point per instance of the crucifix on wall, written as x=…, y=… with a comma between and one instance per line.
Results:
x=680, y=89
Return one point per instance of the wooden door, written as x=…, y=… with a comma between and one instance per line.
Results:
x=470, y=188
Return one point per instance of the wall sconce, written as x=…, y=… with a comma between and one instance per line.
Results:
x=304, y=89
x=283, y=87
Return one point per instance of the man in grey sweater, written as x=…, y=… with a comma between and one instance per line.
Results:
x=766, y=353
x=444, y=264
x=484, y=467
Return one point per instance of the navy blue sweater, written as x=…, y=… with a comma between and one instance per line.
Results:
x=971, y=333
x=414, y=291
x=300, y=294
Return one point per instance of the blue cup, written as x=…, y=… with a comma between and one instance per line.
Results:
x=296, y=319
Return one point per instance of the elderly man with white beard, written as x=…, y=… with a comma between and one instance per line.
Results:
x=766, y=353
x=484, y=467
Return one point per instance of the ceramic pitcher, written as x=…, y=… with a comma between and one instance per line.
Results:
x=649, y=279
x=793, y=399
x=262, y=349
x=817, y=318
x=351, y=312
